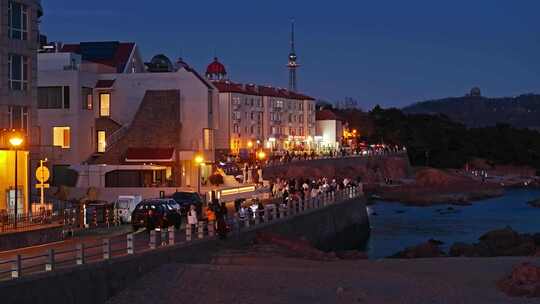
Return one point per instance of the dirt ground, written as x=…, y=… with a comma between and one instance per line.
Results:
x=261, y=278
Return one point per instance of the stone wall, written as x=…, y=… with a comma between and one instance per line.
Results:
x=369, y=169
x=95, y=283
x=28, y=238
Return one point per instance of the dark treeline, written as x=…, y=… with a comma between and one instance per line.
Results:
x=435, y=140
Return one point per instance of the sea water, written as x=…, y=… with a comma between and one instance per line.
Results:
x=395, y=226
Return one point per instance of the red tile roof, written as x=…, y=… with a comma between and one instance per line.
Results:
x=251, y=89
x=105, y=83
x=118, y=60
x=150, y=155
x=327, y=114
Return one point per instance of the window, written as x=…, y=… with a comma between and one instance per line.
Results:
x=236, y=101
x=105, y=104
x=279, y=104
x=252, y=115
x=18, y=72
x=61, y=137
x=301, y=131
x=252, y=129
x=236, y=129
x=17, y=21
x=53, y=97
x=18, y=118
x=208, y=139
x=236, y=115
x=274, y=130
x=87, y=97
x=290, y=117
x=210, y=102
x=101, y=141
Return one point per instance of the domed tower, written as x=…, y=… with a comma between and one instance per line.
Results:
x=160, y=64
x=475, y=92
x=216, y=70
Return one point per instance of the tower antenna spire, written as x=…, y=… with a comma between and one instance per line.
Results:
x=292, y=64
x=292, y=35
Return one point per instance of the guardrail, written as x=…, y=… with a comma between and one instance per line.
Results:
x=140, y=242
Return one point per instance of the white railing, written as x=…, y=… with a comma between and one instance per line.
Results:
x=140, y=242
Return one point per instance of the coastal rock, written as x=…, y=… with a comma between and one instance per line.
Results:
x=295, y=246
x=351, y=255
x=500, y=242
x=430, y=249
x=524, y=281
x=534, y=203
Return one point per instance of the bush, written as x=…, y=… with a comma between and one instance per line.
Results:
x=216, y=179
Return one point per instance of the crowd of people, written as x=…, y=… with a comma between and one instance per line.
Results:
x=302, y=188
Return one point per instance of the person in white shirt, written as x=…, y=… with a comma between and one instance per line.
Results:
x=192, y=216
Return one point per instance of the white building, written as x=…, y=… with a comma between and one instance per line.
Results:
x=329, y=130
x=255, y=117
x=108, y=122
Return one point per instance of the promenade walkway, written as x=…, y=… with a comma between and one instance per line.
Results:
x=76, y=252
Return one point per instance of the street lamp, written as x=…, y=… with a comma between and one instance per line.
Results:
x=199, y=160
x=261, y=155
x=16, y=141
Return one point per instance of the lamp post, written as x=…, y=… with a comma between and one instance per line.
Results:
x=199, y=160
x=15, y=140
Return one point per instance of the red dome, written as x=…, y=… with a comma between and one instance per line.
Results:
x=216, y=68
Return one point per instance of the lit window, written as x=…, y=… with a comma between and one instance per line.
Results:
x=104, y=104
x=61, y=137
x=101, y=141
x=208, y=139
x=17, y=21
x=18, y=72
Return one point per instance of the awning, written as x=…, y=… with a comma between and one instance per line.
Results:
x=149, y=155
x=105, y=83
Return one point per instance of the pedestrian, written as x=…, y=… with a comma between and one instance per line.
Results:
x=192, y=217
x=221, y=223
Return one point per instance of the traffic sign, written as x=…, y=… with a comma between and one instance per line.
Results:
x=42, y=174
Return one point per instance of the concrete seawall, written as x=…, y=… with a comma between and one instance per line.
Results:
x=95, y=283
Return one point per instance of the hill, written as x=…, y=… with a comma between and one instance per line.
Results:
x=478, y=111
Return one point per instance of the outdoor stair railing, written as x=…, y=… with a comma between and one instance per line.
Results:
x=140, y=242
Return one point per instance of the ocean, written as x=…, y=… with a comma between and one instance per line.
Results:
x=395, y=226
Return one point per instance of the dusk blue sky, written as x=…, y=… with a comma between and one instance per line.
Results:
x=379, y=52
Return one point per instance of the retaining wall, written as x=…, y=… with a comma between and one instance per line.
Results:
x=14, y=240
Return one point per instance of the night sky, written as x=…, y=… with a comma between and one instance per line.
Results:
x=380, y=52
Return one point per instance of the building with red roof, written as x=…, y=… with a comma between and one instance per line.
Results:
x=261, y=117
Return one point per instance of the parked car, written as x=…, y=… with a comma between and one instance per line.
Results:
x=158, y=213
x=186, y=199
x=125, y=206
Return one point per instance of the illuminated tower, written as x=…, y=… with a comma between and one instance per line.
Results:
x=292, y=65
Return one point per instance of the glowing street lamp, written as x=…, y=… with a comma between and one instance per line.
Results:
x=199, y=160
x=250, y=144
x=16, y=141
x=261, y=155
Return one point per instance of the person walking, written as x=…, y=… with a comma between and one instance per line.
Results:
x=192, y=217
x=221, y=221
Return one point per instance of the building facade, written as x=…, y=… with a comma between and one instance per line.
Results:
x=108, y=120
x=19, y=42
x=261, y=117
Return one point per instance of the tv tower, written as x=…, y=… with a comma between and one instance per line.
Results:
x=292, y=65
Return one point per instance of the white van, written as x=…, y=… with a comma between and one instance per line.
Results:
x=125, y=206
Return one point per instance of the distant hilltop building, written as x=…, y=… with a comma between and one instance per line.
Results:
x=475, y=92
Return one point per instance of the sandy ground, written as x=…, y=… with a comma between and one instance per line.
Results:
x=248, y=278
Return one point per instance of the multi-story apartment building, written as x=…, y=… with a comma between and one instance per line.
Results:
x=255, y=116
x=111, y=122
x=19, y=41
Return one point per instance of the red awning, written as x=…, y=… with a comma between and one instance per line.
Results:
x=105, y=83
x=150, y=155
